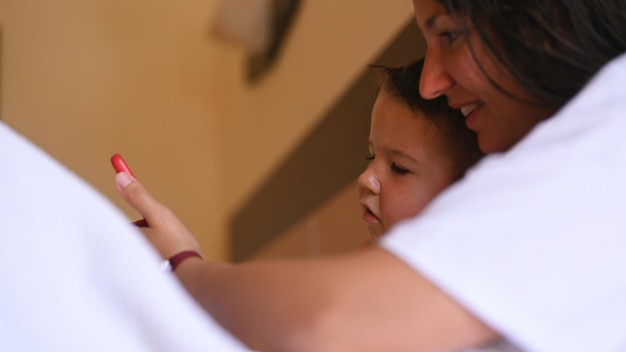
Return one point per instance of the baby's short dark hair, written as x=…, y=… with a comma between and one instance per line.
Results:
x=461, y=143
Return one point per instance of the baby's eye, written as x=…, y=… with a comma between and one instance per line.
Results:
x=398, y=169
x=370, y=157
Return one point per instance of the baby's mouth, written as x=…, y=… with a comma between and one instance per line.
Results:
x=369, y=216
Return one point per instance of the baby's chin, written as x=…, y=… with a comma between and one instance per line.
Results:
x=375, y=232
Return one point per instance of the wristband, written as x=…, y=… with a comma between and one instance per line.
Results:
x=175, y=260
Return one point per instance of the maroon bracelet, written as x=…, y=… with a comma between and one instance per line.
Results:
x=175, y=260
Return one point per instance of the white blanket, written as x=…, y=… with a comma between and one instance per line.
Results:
x=76, y=276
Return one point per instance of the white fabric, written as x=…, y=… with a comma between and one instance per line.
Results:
x=76, y=276
x=534, y=241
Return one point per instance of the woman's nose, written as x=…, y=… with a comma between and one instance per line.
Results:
x=368, y=181
x=435, y=80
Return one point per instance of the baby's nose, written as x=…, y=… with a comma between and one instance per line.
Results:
x=374, y=184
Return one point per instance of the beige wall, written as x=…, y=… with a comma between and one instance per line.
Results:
x=335, y=226
x=86, y=79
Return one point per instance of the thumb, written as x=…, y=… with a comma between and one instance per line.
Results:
x=136, y=195
x=165, y=231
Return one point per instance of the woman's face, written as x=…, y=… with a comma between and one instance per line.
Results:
x=451, y=70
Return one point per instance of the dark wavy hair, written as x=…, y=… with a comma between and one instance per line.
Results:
x=551, y=47
x=461, y=143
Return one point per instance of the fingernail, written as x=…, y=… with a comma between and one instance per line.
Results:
x=123, y=179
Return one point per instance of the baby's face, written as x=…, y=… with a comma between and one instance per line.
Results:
x=407, y=167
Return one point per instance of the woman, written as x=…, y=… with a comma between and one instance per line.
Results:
x=524, y=248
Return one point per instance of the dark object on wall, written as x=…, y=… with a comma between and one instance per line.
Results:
x=309, y=176
x=282, y=16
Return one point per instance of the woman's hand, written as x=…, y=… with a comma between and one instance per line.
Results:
x=160, y=226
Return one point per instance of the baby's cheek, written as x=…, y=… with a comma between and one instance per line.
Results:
x=394, y=214
x=406, y=210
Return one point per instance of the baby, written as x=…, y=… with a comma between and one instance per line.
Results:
x=417, y=148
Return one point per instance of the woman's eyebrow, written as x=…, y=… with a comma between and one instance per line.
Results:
x=430, y=22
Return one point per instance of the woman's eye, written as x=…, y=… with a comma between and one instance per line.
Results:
x=398, y=170
x=450, y=36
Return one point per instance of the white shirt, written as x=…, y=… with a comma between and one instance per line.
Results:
x=533, y=241
x=76, y=276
